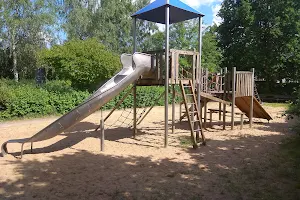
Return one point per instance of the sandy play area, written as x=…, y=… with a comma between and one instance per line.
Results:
x=233, y=165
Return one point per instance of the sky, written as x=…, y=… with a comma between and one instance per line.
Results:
x=209, y=8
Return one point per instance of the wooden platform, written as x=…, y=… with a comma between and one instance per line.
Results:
x=243, y=103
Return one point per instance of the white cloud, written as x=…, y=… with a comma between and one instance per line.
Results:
x=216, y=19
x=198, y=3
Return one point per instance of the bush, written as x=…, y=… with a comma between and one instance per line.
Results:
x=85, y=63
x=28, y=100
x=294, y=107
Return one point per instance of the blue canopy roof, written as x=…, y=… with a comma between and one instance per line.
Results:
x=155, y=12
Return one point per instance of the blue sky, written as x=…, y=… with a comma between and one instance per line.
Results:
x=209, y=8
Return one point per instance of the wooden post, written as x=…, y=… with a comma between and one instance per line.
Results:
x=102, y=136
x=221, y=80
x=205, y=113
x=242, y=120
x=220, y=111
x=220, y=89
x=206, y=72
x=224, y=98
x=233, y=97
x=252, y=99
x=180, y=112
x=210, y=117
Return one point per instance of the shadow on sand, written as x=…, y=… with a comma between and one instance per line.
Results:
x=232, y=169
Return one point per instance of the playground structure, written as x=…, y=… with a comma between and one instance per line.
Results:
x=163, y=68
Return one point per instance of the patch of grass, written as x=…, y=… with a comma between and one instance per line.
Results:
x=277, y=105
x=185, y=142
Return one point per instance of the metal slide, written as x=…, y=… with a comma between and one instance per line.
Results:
x=133, y=67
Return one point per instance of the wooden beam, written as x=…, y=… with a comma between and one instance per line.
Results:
x=233, y=96
x=211, y=97
x=252, y=99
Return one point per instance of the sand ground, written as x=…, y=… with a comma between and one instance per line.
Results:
x=233, y=165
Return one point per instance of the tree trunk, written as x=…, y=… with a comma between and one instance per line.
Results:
x=14, y=57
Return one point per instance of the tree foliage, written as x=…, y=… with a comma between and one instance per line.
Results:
x=107, y=20
x=86, y=63
x=184, y=36
x=25, y=26
x=263, y=35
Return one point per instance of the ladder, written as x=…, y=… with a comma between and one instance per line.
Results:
x=188, y=93
x=256, y=94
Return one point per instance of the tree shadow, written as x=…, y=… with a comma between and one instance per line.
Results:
x=78, y=133
x=231, y=169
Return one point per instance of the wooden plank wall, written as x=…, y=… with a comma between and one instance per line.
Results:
x=244, y=84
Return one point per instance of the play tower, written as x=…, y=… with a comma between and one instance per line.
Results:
x=169, y=12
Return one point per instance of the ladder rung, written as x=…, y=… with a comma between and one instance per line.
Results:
x=187, y=86
x=195, y=121
x=195, y=111
x=197, y=130
x=191, y=103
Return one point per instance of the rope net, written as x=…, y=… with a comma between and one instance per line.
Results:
x=125, y=119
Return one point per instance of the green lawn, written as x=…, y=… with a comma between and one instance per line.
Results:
x=277, y=105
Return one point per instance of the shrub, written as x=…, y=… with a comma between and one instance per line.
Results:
x=85, y=63
x=27, y=100
x=294, y=107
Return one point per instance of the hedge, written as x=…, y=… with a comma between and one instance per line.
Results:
x=26, y=99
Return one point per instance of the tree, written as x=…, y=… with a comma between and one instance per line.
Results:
x=261, y=35
x=24, y=22
x=184, y=36
x=211, y=53
x=107, y=20
x=86, y=63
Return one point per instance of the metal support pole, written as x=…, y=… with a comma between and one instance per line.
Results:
x=167, y=73
x=199, y=70
x=233, y=97
x=134, y=87
x=102, y=136
x=252, y=99
x=173, y=108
